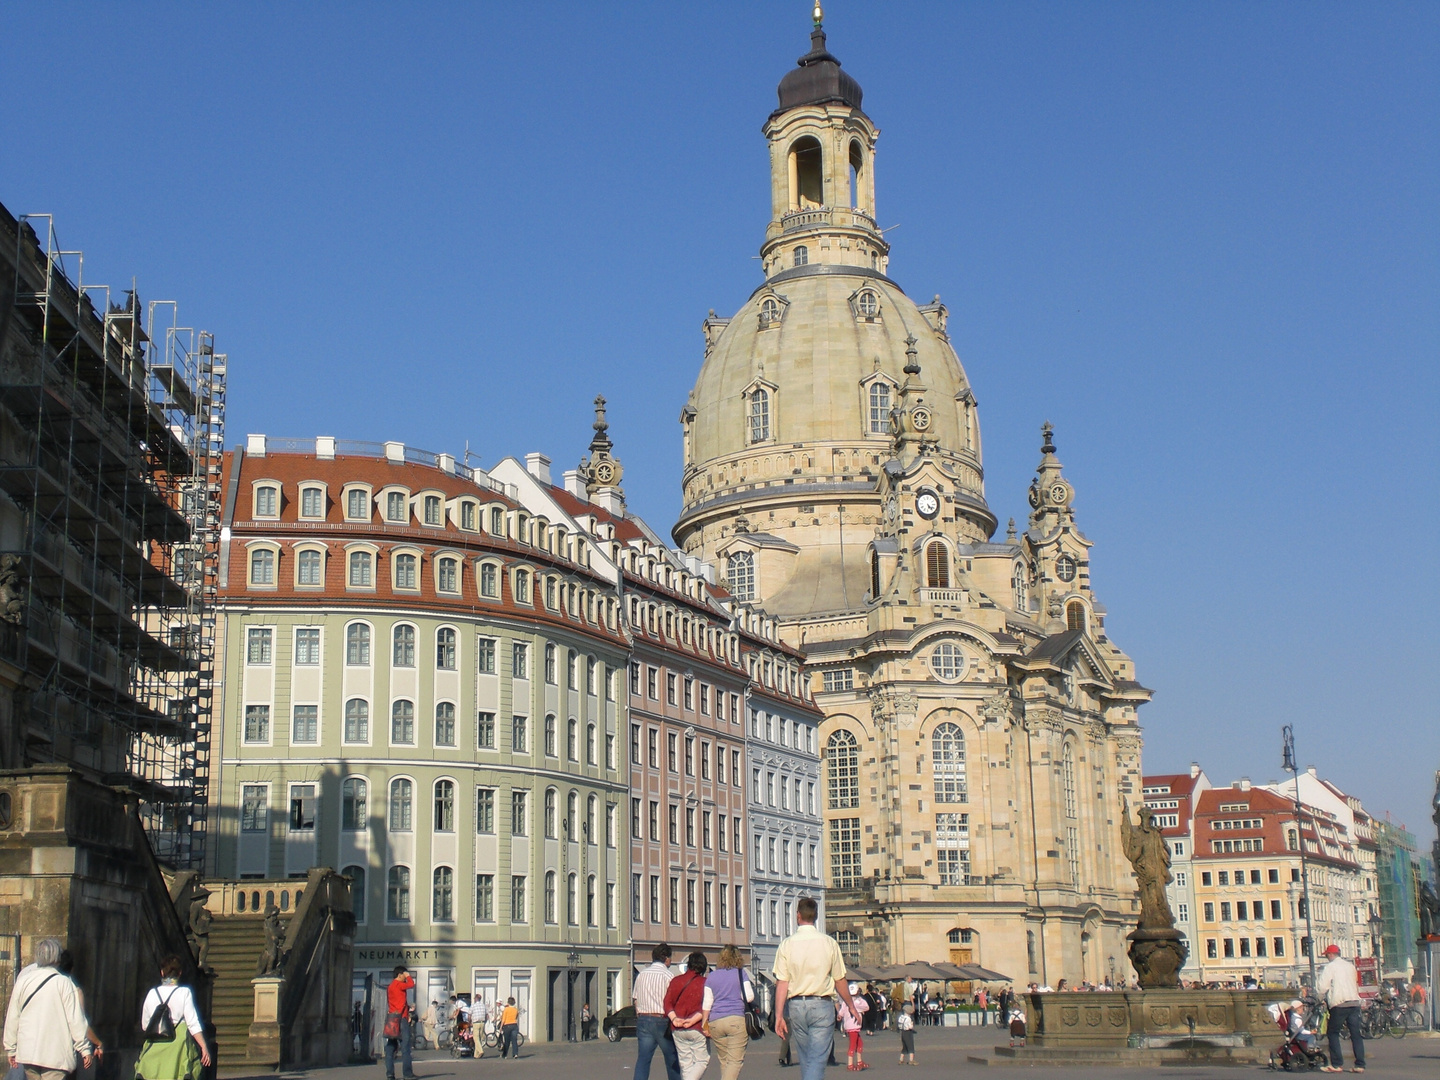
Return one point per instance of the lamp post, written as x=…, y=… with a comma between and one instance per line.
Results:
x=1112, y=971
x=1287, y=734
x=1375, y=937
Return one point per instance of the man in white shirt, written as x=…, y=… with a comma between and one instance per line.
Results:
x=652, y=1026
x=1339, y=987
x=809, y=971
x=45, y=1026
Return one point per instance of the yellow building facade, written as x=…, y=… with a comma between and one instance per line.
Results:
x=980, y=726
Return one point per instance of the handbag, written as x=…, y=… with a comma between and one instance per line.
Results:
x=392, y=1026
x=754, y=1027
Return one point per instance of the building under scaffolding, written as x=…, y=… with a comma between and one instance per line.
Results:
x=112, y=421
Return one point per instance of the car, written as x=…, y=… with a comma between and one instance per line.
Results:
x=620, y=1022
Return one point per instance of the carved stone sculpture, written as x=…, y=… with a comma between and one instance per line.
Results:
x=1157, y=949
x=12, y=589
x=198, y=930
x=271, y=958
x=1429, y=911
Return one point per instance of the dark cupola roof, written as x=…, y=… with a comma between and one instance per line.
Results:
x=818, y=79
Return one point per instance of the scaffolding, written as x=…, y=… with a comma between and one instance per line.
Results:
x=111, y=438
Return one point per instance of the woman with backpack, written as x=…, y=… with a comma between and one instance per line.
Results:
x=175, y=1046
x=728, y=994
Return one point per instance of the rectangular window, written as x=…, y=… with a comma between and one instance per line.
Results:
x=1244, y=946
x=258, y=642
x=635, y=819
x=302, y=808
x=362, y=572
x=434, y=510
x=267, y=502
x=654, y=898
x=755, y=782
x=1275, y=909
x=654, y=745
x=675, y=901
x=670, y=697
x=519, y=660
x=709, y=904
x=721, y=835
x=1240, y=909
x=519, y=819
x=305, y=724
x=467, y=517
x=254, y=808
x=1210, y=950
x=484, y=897
x=485, y=652
x=845, y=853
x=841, y=679
x=1205, y=877
x=1225, y=911
x=312, y=502
x=517, y=899
x=610, y=752
x=310, y=567
x=1224, y=877
x=689, y=693
x=735, y=767
x=1259, y=946
x=1228, y=946
x=720, y=764
x=257, y=723
x=652, y=678
x=635, y=908
x=1278, y=946
x=307, y=645
x=690, y=901
x=395, y=507
x=1209, y=911
x=705, y=822
x=689, y=755
x=635, y=679
x=357, y=505
x=704, y=700
x=739, y=907
x=689, y=826
x=485, y=811
x=485, y=730
x=654, y=819
x=1273, y=876
x=672, y=743
x=1182, y=913
x=674, y=812
x=736, y=833
x=635, y=744
x=519, y=735
x=724, y=905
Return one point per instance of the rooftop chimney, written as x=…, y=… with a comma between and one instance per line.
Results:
x=1244, y=783
x=574, y=485
x=255, y=445
x=1194, y=770
x=538, y=466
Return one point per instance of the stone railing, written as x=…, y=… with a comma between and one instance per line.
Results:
x=254, y=897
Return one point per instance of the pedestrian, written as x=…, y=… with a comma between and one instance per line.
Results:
x=905, y=1023
x=783, y=1039
x=652, y=1026
x=430, y=1021
x=180, y=1052
x=399, y=1016
x=585, y=1022
x=852, y=1020
x=809, y=971
x=479, y=1018
x=728, y=993
x=1339, y=987
x=509, y=1029
x=684, y=1005
x=45, y=1025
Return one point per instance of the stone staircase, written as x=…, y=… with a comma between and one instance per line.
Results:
x=236, y=942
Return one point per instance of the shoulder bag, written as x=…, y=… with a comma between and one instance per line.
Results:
x=754, y=1028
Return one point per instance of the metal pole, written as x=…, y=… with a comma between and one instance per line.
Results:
x=1288, y=734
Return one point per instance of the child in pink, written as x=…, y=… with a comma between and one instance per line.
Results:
x=850, y=1021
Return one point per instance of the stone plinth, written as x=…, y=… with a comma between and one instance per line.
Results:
x=1152, y=1019
x=265, y=1033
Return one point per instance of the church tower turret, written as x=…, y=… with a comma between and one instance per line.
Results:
x=601, y=470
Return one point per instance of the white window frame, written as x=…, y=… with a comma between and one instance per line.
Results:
x=306, y=487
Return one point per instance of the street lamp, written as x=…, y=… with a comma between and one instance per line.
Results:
x=1287, y=734
x=1375, y=924
x=1112, y=971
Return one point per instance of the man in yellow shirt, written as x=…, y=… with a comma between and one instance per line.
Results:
x=809, y=971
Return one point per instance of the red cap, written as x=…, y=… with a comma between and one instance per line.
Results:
x=1332, y=949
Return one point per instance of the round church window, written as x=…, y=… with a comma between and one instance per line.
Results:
x=947, y=662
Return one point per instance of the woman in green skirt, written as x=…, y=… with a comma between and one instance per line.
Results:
x=182, y=1055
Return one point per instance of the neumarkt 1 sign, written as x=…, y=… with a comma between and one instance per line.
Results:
x=380, y=956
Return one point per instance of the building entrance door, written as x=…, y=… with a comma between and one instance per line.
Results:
x=962, y=956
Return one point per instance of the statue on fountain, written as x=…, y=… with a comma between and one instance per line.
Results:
x=1157, y=949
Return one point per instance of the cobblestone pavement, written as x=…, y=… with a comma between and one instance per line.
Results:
x=942, y=1053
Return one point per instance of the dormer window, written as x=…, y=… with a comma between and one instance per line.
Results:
x=312, y=502
x=469, y=516
x=937, y=566
x=867, y=304
x=267, y=501
x=497, y=521
x=740, y=574
x=397, y=507
x=1074, y=615
x=357, y=504
x=802, y=255
x=879, y=417
x=759, y=415
x=434, y=508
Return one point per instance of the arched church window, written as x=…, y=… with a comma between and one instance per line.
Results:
x=769, y=313
x=947, y=755
x=759, y=415
x=1020, y=585
x=740, y=575
x=867, y=304
x=1075, y=615
x=874, y=575
x=937, y=566
x=1067, y=781
x=802, y=255
x=842, y=771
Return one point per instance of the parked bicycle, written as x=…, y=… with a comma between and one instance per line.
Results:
x=1390, y=1017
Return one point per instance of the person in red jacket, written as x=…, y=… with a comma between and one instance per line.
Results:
x=399, y=1007
x=684, y=1005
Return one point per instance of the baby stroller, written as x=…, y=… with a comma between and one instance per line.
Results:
x=1297, y=1053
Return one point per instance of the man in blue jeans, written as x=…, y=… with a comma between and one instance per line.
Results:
x=1339, y=987
x=809, y=972
x=652, y=1026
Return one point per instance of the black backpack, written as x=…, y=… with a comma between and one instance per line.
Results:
x=161, y=1027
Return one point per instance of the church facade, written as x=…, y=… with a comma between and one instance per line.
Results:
x=980, y=727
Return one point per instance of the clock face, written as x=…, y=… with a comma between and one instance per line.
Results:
x=1065, y=568
x=921, y=419
x=1059, y=494
x=928, y=503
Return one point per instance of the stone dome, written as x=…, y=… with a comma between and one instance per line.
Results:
x=817, y=78
x=817, y=358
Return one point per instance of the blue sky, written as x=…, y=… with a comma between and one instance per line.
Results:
x=1203, y=240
